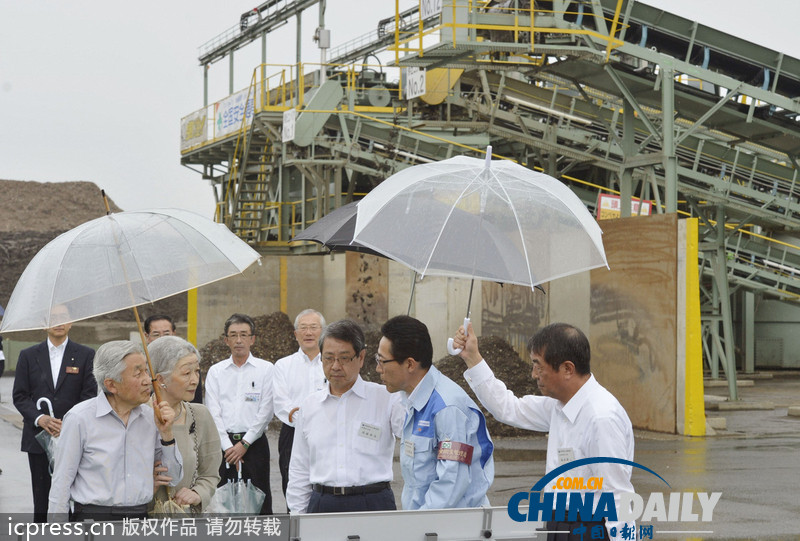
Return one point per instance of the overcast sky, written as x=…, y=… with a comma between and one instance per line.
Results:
x=95, y=91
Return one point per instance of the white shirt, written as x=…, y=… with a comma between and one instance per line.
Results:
x=102, y=461
x=56, y=356
x=591, y=424
x=296, y=378
x=343, y=441
x=240, y=398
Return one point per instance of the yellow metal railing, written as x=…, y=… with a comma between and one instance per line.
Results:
x=521, y=21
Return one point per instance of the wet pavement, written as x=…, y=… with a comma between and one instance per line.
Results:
x=754, y=463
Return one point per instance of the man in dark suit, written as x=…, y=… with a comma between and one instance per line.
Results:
x=60, y=370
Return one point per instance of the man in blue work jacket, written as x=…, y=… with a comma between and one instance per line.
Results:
x=446, y=452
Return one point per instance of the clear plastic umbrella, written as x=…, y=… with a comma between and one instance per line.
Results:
x=44, y=438
x=239, y=497
x=121, y=261
x=492, y=220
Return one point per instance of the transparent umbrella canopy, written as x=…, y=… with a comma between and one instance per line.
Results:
x=121, y=261
x=479, y=218
x=493, y=220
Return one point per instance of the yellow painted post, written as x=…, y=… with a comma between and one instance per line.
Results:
x=532, y=27
x=695, y=414
x=284, y=285
x=191, y=316
x=613, y=29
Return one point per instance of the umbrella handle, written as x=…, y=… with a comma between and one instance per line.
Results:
x=49, y=405
x=450, y=349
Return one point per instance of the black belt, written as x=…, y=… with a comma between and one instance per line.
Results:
x=111, y=509
x=351, y=491
x=236, y=436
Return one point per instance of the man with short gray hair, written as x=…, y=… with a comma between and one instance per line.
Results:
x=297, y=377
x=108, y=444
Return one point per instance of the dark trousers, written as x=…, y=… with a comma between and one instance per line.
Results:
x=331, y=503
x=578, y=530
x=285, y=441
x=40, y=483
x=255, y=466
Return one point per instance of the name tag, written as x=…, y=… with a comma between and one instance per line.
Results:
x=371, y=432
x=453, y=450
x=73, y=370
x=252, y=397
x=565, y=454
x=408, y=448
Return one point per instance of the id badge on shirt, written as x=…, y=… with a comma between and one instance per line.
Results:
x=371, y=432
x=565, y=454
x=408, y=448
x=252, y=397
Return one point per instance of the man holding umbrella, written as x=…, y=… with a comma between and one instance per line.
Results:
x=582, y=418
x=61, y=371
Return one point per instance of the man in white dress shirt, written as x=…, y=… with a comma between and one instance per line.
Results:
x=583, y=419
x=296, y=377
x=108, y=444
x=239, y=397
x=344, y=434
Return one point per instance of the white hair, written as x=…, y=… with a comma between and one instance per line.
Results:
x=305, y=313
x=109, y=361
x=167, y=351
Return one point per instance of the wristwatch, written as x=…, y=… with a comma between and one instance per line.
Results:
x=166, y=443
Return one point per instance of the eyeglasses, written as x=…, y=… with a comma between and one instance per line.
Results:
x=381, y=362
x=343, y=361
x=312, y=328
x=237, y=335
x=159, y=334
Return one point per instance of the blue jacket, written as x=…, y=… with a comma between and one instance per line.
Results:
x=440, y=413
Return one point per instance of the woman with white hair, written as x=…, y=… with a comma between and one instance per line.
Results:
x=176, y=363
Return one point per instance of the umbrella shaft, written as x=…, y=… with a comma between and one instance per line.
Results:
x=469, y=302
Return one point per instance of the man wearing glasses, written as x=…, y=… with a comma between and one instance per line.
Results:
x=445, y=450
x=344, y=434
x=296, y=377
x=239, y=397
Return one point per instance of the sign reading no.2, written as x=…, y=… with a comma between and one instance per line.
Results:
x=415, y=82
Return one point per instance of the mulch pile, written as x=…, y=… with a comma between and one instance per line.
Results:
x=34, y=213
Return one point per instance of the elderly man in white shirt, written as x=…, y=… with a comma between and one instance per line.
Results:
x=297, y=376
x=239, y=398
x=108, y=444
x=345, y=434
x=583, y=419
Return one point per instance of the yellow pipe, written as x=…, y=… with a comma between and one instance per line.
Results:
x=284, y=285
x=191, y=316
